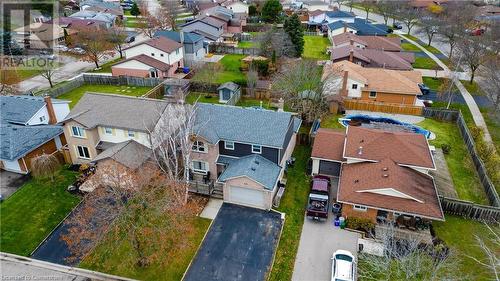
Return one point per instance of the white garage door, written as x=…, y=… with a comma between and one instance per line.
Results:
x=247, y=196
x=11, y=165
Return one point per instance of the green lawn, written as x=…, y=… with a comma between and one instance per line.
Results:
x=459, y=234
x=463, y=173
x=132, y=22
x=75, y=95
x=473, y=88
x=248, y=102
x=493, y=124
x=207, y=98
x=293, y=205
x=433, y=83
x=410, y=47
x=106, y=68
x=230, y=71
x=30, y=214
x=331, y=121
x=247, y=44
x=315, y=47
x=431, y=49
x=425, y=63
x=116, y=260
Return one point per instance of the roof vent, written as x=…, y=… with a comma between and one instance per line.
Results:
x=253, y=169
x=356, y=181
x=385, y=169
x=385, y=175
x=360, y=150
x=256, y=162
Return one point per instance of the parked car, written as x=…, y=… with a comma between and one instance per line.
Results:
x=475, y=32
x=61, y=48
x=397, y=25
x=130, y=39
x=319, y=199
x=77, y=50
x=424, y=89
x=343, y=266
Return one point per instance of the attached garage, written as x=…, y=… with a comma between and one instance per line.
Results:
x=329, y=168
x=247, y=196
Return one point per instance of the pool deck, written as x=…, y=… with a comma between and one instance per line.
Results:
x=412, y=119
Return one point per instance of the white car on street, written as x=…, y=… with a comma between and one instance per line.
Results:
x=343, y=266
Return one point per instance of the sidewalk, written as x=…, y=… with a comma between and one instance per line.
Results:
x=442, y=73
x=469, y=100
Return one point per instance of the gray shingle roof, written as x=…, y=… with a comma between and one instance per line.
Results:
x=254, y=167
x=229, y=85
x=255, y=126
x=16, y=141
x=117, y=111
x=20, y=109
x=128, y=153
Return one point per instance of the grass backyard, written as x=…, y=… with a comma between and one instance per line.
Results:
x=230, y=70
x=293, y=205
x=75, y=95
x=115, y=260
x=410, y=47
x=465, y=178
x=106, y=68
x=331, y=121
x=30, y=214
x=315, y=47
x=247, y=44
x=459, y=234
x=207, y=98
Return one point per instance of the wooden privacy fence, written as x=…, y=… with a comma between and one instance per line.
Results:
x=457, y=117
x=121, y=80
x=382, y=107
x=64, y=87
x=224, y=49
x=469, y=210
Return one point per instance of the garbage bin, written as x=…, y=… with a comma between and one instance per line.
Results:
x=342, y=222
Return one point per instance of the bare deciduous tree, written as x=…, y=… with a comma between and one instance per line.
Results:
x=117, y=36
x=429, y=27
x=95, y=44
x=386, y=9
x=367, y=6
x=45, y=165
x=170, y=10
x=408, y=259
x=252, y=77
x=206, y=75
x=474, y=53
x=409, y=16
x=453, y=24
x=489, y=246
x=490, y=75
x=47, y=73
x=276, y=42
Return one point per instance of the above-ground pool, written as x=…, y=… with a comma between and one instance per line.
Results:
x=369, y=121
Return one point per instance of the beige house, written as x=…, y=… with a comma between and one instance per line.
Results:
x=40, y=35
x=93, y=125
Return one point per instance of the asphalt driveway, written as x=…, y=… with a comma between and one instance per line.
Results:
x=10, y=182
x=239, y=246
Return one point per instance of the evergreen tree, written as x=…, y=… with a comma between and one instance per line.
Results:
x=134, y=11
x=294, y=29
x=271, y=11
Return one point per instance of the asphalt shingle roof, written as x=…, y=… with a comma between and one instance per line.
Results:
x=128, y=153
x=229, y=85
x=117, y=111
x=20, y=109
x=248, y=125
x=189, y=37
x=339, y=14
x=361, y=26
x=254, y=167
x=17, y=140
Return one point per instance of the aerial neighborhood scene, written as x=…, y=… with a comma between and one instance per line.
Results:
x=250, y=140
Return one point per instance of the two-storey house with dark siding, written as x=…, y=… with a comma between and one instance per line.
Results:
x=243, y=150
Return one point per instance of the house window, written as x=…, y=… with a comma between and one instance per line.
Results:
x=42, y=118
x=83, y=152
x=229, y=145
x=153, y=73
x=360, y=208
x=77, y=131
x=354, y=86
x=199, y=146
x=373, y=94
x=256, y=149
x=108, y=131
x=131, y=134
x=199, y=166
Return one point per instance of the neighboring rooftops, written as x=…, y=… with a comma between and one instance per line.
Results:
x=403, y=148
x=370, y=41
x=316, y=13
x=117, y=111
x=230, y=86
x=328, y=145
x=375, y=58
x=339, y=14
x=389, y=186
x=248, y=125
x=76, y=22
x=161, y=43
x=128, y=153
x=379, y=79
x=189, y=37
x=255, y=167
x=361, y=26
x=17, y=141
x=20, y=109
x=148, y=61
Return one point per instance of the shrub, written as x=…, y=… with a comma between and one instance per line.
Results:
x=45, y=165
x=446, y=148
x=360, y=224
x=262, y=67
x=252, y=10
x=475, y=132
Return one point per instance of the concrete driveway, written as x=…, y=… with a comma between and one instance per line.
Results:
x=10, y=182
x=317, y=243
x=239, y=246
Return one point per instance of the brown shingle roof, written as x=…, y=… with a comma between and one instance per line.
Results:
x=380, y=80
x=161, y=43
x=403, y=148
x=316, y=13
x=148, y=61
x=371, y=42
x=386, y=185
x=329, y=144
x=375, y=58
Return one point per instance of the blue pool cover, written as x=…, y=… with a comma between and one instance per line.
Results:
x=366, y=119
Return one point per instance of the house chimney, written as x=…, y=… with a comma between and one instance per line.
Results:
x=50, y=110
x=344, y=84
x=360, y=150
x=345, y=27
x=351, y=55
